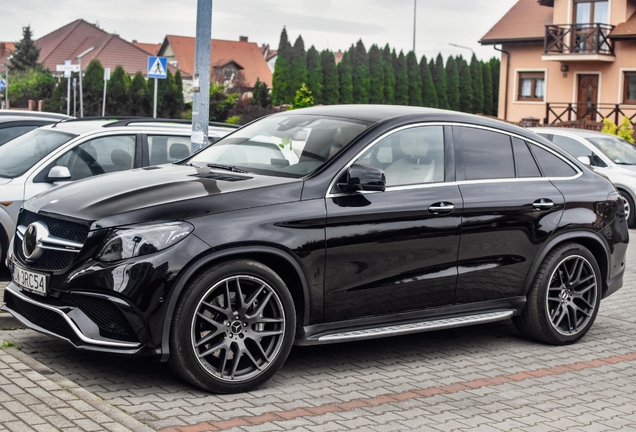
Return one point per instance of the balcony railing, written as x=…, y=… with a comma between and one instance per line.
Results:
x=587, y=116
x=578, y=39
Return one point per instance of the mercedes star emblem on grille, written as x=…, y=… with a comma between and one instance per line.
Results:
x=32, y=243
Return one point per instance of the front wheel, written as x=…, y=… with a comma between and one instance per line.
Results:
x=565, y=298
x=630, y=211
x=233, y=327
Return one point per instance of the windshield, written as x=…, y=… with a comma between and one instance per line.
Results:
x=282, y=145
x=618, y=150
x=21, y=153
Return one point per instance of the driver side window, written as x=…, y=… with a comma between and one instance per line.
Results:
x=99, y=156
x=410, y=156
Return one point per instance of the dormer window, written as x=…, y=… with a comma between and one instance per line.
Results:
x=591, y=11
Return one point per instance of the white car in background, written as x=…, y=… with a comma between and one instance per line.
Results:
x=606, y=154
x=71, y=150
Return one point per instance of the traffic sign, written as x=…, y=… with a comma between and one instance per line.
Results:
x=157, y=67
x=106, y=74
x=67, y=68
x=3, y=84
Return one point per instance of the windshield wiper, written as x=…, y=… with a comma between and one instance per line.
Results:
x=227, y=168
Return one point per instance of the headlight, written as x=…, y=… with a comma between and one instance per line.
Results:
x=139, y=240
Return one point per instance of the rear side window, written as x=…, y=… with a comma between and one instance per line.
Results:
x=168, y=148
x=524, y=162
x=486, y=154
x=552, y=165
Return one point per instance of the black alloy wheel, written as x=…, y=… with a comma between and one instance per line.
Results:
x=233, y=328
x=563, y=303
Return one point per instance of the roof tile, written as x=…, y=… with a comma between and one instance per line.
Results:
x=526, y=20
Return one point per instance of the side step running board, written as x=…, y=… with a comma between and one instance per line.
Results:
x=415, y=327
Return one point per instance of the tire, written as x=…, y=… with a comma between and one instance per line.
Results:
x=237, y=345
x=565, y=297
x=629, y=209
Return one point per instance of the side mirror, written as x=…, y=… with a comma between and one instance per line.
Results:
x=58, y=173
x=360, y=177
x=585, y=160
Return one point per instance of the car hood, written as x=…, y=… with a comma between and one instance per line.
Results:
x=164, y=192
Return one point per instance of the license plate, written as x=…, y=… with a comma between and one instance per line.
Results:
x=30, y=281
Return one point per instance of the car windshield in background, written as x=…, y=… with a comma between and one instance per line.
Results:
x=619, y=151
x=289, y=146
x=21, y=153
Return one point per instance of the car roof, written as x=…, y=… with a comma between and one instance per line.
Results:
x=583, y=133
x=17, y=115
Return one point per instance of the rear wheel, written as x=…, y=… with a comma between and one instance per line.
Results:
x=565, y=298
x=233, y=327
x=630, y=211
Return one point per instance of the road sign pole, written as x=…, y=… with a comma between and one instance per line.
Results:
x=154, y=109
x=81, y=96
x=74, y=97
x=104, y=100
x=68, y=96
x=201, y=103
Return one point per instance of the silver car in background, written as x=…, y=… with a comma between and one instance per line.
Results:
x=606, y=154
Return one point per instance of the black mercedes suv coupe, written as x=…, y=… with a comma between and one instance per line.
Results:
x=321, y=225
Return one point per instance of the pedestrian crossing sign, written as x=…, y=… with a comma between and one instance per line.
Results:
x=157, y=67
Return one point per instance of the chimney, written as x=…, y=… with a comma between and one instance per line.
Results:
x=3, y=47
x=242, y=38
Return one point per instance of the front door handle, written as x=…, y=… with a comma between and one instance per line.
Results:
x=441, y=208
x=543, y=204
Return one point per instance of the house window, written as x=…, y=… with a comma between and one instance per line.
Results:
x=592, y=11
x=629, y=95
x=531, y=86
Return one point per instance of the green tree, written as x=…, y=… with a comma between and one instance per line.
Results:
x=495, y=66
x=330, y=85
x=314, y=73
x=33, y=84
x=140, y=99
x=626, y=130
x=93, y=84
x=26, y=53
x=57, y=100
x=345, y=78
x=452, y=82
x=429, y=95
x=414, y=80
x=260, y=94
x=281, y=79
x=477, y=81
x=118, y=101
x=298, y=65
x=487, y=85
x=221, y=103
x=439, y=79
x=361, y=74
x=401, y=96
x=465, y=87
x=178, y=94
x=303, y=98
x=389, y=76
x=376, y=76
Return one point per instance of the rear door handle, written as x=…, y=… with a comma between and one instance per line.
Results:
x=441, y=207
x=543, y=204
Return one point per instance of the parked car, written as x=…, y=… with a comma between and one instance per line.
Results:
x=392, y=220
x=606, y=154
x=71, y=150
x=14, y=123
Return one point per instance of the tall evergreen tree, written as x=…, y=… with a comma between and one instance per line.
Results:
x=477, y=80
x=178, y=94
x=330, y=87
x=487, y=83
x=376, y=72
x=429, y=95
x=298, y=65
x=117, y=93
x=361, y=75
x=55, y=103
x=345, y=78
x=414, y=80
x=260, y=94
x=495, y=66
x=452, y=82
x=93, y=84
x=140, y=99
x=314, y=74
x=282, y=93
x=389, y=76
x=465, y=87
x=26, y=53
x=439, y=79
x=401, y=79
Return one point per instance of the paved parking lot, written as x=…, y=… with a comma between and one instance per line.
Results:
x=484, y=378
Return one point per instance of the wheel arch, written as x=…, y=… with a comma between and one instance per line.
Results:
x=590, y=241
x=282, y=263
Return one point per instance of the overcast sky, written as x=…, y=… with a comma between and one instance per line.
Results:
x=332, y=24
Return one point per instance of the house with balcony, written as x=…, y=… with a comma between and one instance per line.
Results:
x=567, y=61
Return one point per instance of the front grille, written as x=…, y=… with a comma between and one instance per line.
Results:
x=108, y=317
x=52, y=260
x=40, y=316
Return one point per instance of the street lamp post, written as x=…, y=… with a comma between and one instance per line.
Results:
x=79, y=58
x=414, y=21
x=463, y=47
x=6, y=79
